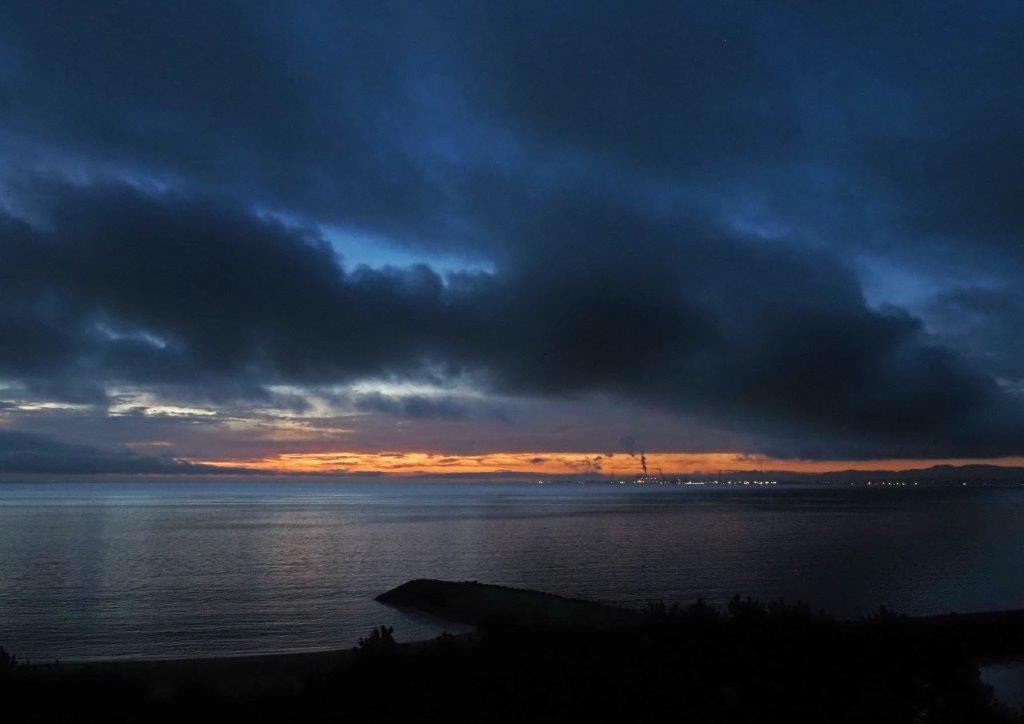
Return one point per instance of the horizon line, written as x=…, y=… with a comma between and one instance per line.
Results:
x=562, y=463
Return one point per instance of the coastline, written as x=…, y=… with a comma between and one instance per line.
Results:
x=997, y=637
x=533, y=653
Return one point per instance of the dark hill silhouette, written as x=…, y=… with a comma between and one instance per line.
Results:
x=934, y=475
x=473, y=602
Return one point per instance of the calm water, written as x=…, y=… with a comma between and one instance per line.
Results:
x=156, y=570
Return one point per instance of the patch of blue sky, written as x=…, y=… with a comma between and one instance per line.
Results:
x=361, y=249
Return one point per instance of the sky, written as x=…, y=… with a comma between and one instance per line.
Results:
x=537, y=236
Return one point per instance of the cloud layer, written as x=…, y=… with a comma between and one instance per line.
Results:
x=796, y=231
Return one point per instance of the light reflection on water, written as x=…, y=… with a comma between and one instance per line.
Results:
x=183, y=569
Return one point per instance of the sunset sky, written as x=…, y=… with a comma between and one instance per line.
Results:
x=470, y=237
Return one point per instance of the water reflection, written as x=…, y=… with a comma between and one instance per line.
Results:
x=95, y=570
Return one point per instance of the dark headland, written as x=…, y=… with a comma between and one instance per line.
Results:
x=540, y=657
x=988, y=636
x=479, y=603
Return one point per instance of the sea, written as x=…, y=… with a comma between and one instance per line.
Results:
x=142, y=570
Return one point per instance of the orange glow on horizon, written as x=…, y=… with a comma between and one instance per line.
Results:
x=568, y=463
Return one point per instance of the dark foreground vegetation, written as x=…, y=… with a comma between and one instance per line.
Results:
x=749, y=663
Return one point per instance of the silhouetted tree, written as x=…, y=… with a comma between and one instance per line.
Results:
x=8, y=661
x=380, y=641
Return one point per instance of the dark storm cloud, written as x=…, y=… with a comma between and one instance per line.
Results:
x=772, y=336
x=425, y=124
x=315, y=112
x=940, y=168
x=673, y=197
x=672, y=88
x=24, y=453
x=178, y=291
x=439, y=122
x=167, y=289
x=986, y=324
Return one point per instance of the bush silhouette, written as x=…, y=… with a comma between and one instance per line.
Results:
x=748, y=662
x=8, y=661
x=380, y=641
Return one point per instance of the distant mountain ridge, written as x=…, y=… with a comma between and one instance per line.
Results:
x=934, y=475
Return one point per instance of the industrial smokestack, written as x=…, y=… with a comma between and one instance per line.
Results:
x=629, y=443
